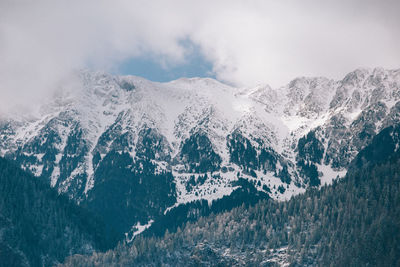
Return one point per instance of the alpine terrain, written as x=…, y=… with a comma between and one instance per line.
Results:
x=134, y=152
x=353, y=222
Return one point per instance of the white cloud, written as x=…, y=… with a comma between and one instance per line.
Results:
x=248, y=42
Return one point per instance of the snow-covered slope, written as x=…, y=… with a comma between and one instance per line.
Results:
x=199, y=135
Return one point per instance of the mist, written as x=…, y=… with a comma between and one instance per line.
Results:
x=247, y=42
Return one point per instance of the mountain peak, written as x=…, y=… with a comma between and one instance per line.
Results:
x=198, y=83
x=281, y=140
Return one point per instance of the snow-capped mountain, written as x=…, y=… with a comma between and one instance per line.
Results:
x=125, y=145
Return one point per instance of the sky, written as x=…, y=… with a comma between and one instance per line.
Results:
x=242, y=43
x=194, y=65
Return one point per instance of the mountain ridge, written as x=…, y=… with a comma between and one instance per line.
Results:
x=352, y=222
x=174, y=134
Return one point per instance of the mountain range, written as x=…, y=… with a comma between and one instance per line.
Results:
x=355, y=221
x=133, y=151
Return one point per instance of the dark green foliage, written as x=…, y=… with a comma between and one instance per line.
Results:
x=310, y=148
x=74, y=153
x=199, y=156
x=267, y=159
x=281, y=189
x=37, y=226
x=192, y=182
x=381, y=149
x=284, y=175
x=244, y=154
x=253, y=173
x=96, y=158
x=10, y=257
x=310, y=171
x=241, y=151
x=266, y=188
x=47, y=144
x=310, y=152
x=354, y=222
x=150, y=143
x=44, y=143
x=246, y=195
x=124, y=196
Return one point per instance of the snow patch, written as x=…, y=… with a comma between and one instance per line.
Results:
x=136, y=230
x=329, y=174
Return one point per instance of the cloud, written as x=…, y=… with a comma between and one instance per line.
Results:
x=275, y=42
x=247, y=42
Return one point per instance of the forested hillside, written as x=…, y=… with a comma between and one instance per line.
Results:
x=39, y=227
x=353, y=222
